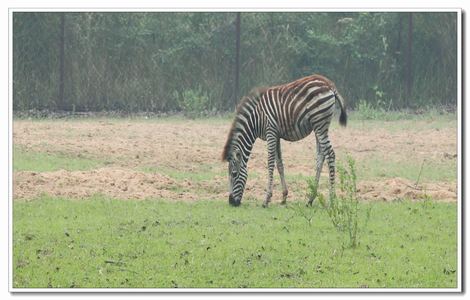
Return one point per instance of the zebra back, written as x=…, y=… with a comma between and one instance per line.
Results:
x=287, y=105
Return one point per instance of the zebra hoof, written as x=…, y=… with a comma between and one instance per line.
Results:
x=265, y=204
x=284, y=197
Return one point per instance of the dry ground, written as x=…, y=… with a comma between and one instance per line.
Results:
x=180, y=159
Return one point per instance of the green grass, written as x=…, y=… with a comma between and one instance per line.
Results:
x=24, y=160
x=377, y=168
x=392, y=120
x=398, y=121
x=432, y=170
x=222, y=118
x=156, y=243
x=364, y=111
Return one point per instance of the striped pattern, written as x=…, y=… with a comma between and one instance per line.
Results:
x=290, y=112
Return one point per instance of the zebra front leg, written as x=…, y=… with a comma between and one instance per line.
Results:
x=271, y=141
x=280, y=169
x=319, y=166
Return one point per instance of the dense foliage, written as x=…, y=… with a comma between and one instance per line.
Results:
x=162, y=61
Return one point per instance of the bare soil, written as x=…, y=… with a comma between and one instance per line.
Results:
x=180, y=159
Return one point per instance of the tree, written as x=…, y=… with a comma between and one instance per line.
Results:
x=158, y=61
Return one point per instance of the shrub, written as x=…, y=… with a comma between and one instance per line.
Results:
x=193, y=103
x=343, y=210
x=366, y=111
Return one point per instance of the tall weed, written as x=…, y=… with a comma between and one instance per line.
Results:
x=343, y=211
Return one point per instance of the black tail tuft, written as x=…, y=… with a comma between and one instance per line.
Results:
x=343, y=118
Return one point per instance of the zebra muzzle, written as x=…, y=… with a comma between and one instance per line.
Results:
x=233, y=201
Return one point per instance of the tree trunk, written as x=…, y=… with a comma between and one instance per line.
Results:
x=400, y=29
x=237, y=57
x=62, y=62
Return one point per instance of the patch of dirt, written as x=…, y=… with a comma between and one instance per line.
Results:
x=132, y=185
x=399, y=188
x=112, y=182
x=128, y=146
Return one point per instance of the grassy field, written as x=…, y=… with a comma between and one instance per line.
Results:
x=143, y=203
x=65, y=243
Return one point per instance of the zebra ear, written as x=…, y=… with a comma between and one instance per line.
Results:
x=238, y=154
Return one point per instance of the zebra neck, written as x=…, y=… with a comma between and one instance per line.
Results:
x=246, y=127
x=244, y=136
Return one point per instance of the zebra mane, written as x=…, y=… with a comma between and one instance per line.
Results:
x=252, y=96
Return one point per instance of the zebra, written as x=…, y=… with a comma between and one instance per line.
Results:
x=291, y=112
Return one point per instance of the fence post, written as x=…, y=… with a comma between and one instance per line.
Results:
x=237, y=57
x=61, y=103
x=409, y=61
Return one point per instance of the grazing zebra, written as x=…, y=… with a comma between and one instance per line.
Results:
x=291, y=112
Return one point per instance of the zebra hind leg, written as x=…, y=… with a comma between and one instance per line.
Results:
x=319, y=166
x=280, y=169
x=330, y=155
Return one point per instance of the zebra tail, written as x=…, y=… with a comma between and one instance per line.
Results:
x=343, y=117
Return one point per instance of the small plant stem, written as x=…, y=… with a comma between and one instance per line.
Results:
x=419, y=175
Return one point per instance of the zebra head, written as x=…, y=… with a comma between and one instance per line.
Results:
x=237, y=175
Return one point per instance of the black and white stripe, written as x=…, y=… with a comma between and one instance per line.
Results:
x=291, y=112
